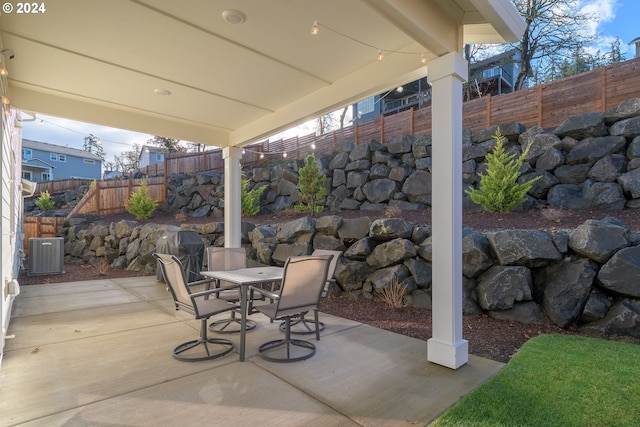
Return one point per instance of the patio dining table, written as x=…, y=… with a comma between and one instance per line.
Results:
x=244, y=277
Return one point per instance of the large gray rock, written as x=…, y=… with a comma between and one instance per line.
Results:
x=566, y=290
x=550, y=159
x=476, y=254
x=621, y=274
x=360, y=152
x=628, y=128
x=292, y=230
x=420, y=271
x=500, y=287
x=608, y=168
x=532, y=248
x=360, y=250
x=633, y=151
x=572, y=174
x=343, y=147
x=528, y=312
x=390, y=253
x=630, y=182
x=383, y=277
x=603, y=195
x=417, y=187
x=379, y=190
x=582, y=126
x=400, y=145
x=339, y=160
x=510, y=131
x=625, y=110
x=539, y=145
x=351, y=274
x=591, y=149
x=329, y=224
x=622, y=319
x=596, y=307
x=567, y=196
x=385, y=229
x=598, y=239
x=354, y=229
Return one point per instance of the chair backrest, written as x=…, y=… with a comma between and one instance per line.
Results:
x=221, y=259
x=302, y=281
x=176, y=280
x=334, y=260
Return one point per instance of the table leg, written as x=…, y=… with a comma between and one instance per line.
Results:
x=243, y=319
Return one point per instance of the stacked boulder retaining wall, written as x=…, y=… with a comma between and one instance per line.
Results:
x=590, y=161
x=589, y=276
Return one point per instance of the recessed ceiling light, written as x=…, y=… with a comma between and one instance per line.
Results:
x=233, y=16
x=161, y=92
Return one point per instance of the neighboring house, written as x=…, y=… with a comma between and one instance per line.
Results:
x=492, y=76
x=42, y=161
x=636, y=42
x=150, y=155
x=496, y=75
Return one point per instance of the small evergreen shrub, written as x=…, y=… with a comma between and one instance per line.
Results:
x=250, y=200
x=312, y=186
x=140, y=204
x=45, y=202
x=499, y=188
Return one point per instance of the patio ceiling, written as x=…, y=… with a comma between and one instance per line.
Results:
x=102, y=61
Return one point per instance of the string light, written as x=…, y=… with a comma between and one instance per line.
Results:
x=3, y=71
x=315, y=29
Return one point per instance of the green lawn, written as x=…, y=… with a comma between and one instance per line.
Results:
x=558, y=380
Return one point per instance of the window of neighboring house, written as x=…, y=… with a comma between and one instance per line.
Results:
x=491, y=72
x=159, y=157
x=58, y=157
x=26, y=175
x=91, y=162
x=27, y=153
x=366, y=106
x=46, y=176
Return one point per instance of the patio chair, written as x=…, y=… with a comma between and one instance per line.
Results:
x=306, y=326
x=222, y=259
x=198, y=304
x=303, y=279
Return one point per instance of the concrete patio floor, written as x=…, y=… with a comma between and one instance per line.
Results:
x=98, y=353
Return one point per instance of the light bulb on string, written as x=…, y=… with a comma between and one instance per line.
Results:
x=380, y=55
x=314, y=28
x=423, y=59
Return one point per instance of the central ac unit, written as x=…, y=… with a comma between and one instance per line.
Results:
x=46, y=255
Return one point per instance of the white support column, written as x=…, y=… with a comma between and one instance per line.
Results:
x=232, y=191
x=446, y=347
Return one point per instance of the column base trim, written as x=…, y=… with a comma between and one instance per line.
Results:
x=450, y=355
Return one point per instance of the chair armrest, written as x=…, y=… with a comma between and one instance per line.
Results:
x=201, y=282
x=264, y=292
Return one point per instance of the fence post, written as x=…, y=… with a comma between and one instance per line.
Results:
x=539, y=93
x=603, y=89
x=381, y=129
x=488, y=109
x=97, y=196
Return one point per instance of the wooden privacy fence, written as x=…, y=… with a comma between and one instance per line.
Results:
x=108, y=197
x=40, y=226
x=60, y=186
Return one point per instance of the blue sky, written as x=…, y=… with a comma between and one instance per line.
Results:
x=617, y=18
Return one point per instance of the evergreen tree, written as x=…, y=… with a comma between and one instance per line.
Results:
x=312, y=186
x=499, y=188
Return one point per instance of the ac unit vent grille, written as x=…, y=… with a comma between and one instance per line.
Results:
x=46, y=255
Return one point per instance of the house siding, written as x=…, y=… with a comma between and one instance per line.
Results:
x=45, y=162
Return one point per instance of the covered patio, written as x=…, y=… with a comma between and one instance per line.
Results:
x=99, y=353
x=200, y=72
